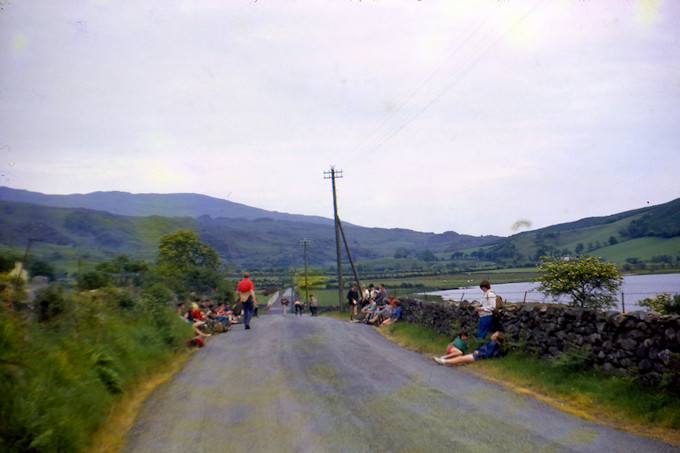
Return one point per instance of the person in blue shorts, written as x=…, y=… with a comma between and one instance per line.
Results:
x=395, y=314
x=486, y=351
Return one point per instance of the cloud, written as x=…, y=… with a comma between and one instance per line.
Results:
x=443, y=116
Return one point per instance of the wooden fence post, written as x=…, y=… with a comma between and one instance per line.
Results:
x=623, y=302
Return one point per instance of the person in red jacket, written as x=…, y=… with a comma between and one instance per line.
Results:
x=246, y=294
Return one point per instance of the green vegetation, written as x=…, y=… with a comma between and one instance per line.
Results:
x=664, y=303
x=620, y=400
x=311, y=281
x=589, y=282
x=62, y=368
x=70, y=354
x=74, y=241
x=188, y=264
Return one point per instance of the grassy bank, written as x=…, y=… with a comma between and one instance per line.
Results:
x=619, y=402
x=64, y=366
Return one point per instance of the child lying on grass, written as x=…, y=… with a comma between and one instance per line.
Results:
x=486, y=351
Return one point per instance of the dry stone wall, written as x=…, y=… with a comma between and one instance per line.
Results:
x=644, y=344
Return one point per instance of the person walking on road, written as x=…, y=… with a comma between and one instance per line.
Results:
x=485, y=310
x=246, y=294
x=284, y=304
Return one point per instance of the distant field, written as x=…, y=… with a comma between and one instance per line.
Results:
x=642, y=248
x=395, y=287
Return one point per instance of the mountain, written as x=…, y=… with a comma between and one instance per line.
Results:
x=93, y=227
x=148, y=204
x=270, y=241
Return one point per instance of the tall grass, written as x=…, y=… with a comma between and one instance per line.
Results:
x=62, y=369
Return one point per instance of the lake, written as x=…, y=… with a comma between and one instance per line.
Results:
x=634, y=289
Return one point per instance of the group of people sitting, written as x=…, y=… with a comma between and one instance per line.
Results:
x=206, y=317
x=457, y=351
x=375, y=307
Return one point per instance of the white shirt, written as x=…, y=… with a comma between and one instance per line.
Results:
x=488, y=304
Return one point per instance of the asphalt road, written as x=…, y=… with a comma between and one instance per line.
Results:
x=318, y=384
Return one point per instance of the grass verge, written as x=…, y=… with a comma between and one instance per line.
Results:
x=110, y=436
x=64, y=366
x=610, y=400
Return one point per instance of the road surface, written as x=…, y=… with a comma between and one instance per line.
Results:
x=318, y=384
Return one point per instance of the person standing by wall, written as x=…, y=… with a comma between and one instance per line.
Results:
x=313, y=304
x=246, y=294
x=485, y=310
x=353, y=300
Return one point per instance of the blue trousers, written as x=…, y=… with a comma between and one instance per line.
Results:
x=248, y=310
x=484, y=326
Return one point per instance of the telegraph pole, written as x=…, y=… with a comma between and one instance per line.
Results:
x=305, y=242
x=332, y=175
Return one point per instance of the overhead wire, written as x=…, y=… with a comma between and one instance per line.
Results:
x=435, y=85
x=376, y=136
x=385, y=127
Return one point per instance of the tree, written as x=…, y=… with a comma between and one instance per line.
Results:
x=124, y=272
x=427, y=255
x=189, y=263
x=589, y=282
x=40, y=267
x=93, y=280
x=184, y=249
x=400, y=253
x=315, y=280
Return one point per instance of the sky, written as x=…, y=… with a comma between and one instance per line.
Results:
x=485, y=118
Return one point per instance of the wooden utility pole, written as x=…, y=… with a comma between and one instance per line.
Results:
x=332, y=175
x=305, y=242
x=349, y=254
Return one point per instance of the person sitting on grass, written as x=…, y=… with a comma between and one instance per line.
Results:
x=395, y=315
x=368, y=311
x=225, y=315
x=198, y=319
x=457, y=347
x=383, y=311
x=488, y=350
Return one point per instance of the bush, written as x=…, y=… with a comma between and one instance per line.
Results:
x=589, y=282
x=663, y=303
x=93, y=280
x=50, y=302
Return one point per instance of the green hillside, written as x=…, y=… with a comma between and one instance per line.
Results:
x=72, y=238
x=630, y=238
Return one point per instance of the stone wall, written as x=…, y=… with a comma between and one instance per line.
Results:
x=644, y=344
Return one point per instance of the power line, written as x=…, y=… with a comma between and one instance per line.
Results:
x=433, y=88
